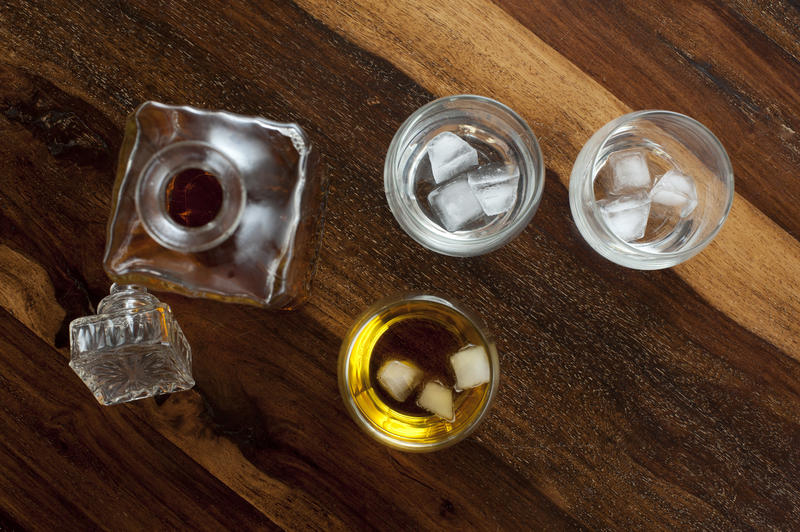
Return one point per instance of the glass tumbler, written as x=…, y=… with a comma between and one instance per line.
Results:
x=418, y=372
x=651, y=189
x=464, y=175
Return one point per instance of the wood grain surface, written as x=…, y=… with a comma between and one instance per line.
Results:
x=628, y=400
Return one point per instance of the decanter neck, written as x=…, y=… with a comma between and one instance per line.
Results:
x=159, y=174
x=126, y=296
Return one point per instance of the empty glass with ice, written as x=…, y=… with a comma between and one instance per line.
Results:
x=464, y=175
x=651, y=189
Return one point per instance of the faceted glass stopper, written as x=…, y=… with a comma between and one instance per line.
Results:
x=131, y=349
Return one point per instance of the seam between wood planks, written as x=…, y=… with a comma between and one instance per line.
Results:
x=750, y=272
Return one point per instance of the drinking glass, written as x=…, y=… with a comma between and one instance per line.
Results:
x=651, y=189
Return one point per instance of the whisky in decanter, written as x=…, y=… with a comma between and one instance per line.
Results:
x=216, y=205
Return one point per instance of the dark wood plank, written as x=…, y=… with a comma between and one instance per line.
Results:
x=69, y=463
x=628, y=399
x=777, y=20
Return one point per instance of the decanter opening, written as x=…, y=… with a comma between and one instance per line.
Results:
x=193, y=197
x=190, y=197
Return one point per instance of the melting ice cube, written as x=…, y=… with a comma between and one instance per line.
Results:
x=437, y=400
x=471, y=366
x=399, y=378
x=495, y=186
x=450, y=155
x=454, y=204
x=629, y=171
x=675, y=190
x=626, y=216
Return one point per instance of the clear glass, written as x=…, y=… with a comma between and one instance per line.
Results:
x=374, y=412
x=499, y=135
x=262, y=245
x=131, y=349
x=668, y=141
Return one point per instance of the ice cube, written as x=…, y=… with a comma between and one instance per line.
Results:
x=454, y=204
x=437, y=400
x=450, y=155
x=626, y=216
x=675, y=189
x=471, y=366
x=629, y=171
x=495, y=186
x=399, y=378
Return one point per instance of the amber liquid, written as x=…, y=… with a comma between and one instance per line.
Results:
x=426, y=334
x=193, y=197
x=426, y=344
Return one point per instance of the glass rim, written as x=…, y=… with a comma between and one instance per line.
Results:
x=439, y=241
x=346, y=350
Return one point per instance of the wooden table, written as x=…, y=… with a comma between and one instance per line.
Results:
x=628, y=399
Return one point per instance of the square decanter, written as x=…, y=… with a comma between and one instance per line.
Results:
x=131, y=349
x=217, y=205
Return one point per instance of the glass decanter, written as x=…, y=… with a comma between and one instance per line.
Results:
x=216, y=205
x=131, y=349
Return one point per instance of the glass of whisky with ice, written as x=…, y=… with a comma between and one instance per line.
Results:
x=418, y=372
